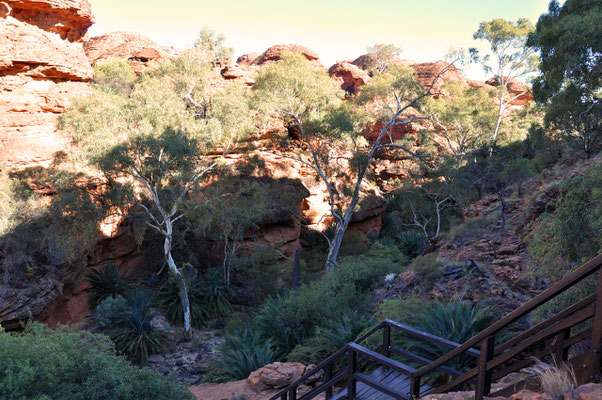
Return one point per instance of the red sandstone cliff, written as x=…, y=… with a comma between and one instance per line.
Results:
x=42, y=68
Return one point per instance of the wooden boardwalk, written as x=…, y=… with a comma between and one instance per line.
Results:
x=395, y=381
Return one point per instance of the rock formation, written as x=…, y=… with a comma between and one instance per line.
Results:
x=260, y=385
x=349, y=76
x=138, y=49
x=427, y=72
x=273, y=53
x=42, y=68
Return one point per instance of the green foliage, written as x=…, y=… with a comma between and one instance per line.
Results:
x=114, y=76
x=243, y=352
x=37, y=238
x=467, y=116
x=331, y=338
x=578, y=216
x=384, y=55
x=65, y=364
x=289, y=320
x=428, y=270
x=568, y=38
x=108, y=281
x=411, y=243
x=507, y=39
x=474, y=227
x=109, y=310
x=457, y=321
x=518, y=170
x=209, y=298
x=132, y=331
x=214, y=45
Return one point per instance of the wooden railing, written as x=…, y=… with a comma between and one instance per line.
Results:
x=494, y=360
x=355, y=355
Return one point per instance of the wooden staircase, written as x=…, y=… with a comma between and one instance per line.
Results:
x=357, y=372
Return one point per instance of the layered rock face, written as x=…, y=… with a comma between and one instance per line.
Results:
x=349, y=76
x=42, y=68
x=138, y=49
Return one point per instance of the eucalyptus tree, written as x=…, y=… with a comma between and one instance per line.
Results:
x=151, y=143
x=569, y=39
x=509, y=58
x=331, y=130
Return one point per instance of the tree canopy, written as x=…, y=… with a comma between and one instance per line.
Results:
x=569, y=39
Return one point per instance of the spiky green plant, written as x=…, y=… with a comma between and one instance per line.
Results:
x=108, y=281
x=208, y=299
x=132, y=331
x=330, y=338
x=456, y=321
x=243, y=352
x=279, y=321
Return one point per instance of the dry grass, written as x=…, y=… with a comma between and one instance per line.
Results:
x=556, y=380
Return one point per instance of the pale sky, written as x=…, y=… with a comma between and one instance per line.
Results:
x=336, y=29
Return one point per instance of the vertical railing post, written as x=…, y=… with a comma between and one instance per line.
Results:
x=484, y=376
x=560, y=352
x=414, y=387
x=351, y=367
x=293, y=394
x=283, y=397
x=594, y=367
x=328, y=373
x=386, y=340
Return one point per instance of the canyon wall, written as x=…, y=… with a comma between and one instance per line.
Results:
x=42, y=68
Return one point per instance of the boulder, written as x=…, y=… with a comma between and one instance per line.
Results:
x=42, y=68
x=275, y=376
x=437, y=74
x=349, y=76
x=590, y=391
x=273, y=53
x=239, y=73
x=247, y=59
x=520, y=92
x=125, y=45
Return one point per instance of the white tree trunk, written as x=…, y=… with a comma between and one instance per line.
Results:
x=181, y=281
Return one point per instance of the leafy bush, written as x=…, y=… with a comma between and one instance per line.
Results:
x=114, y=75
x=208, y=299
x=329, y=339
x=132, y=331
x=474, y=226
x=109, y=310
x=243, y=352
x=291, y=319
x=428, y=270
x=457, y=321
x=411, y=243
x=578, y=215
x=65, y=364
x=108, y=281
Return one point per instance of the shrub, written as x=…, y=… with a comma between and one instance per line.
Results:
x=556, y=380
x=329, y=339
x=108, y=281
x=132, y=331
x=291, y=319
x=475, y=226
x=114, y=75
x=109, y=311
x=208, y=299
x=428, y=270
x=457, y=321
x=411, y=243
x=65, y=364
x=578, y=215
x=243, y=352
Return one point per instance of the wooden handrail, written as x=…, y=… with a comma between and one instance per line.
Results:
x=559, y=287
x=489, y=357
x=429, y=338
